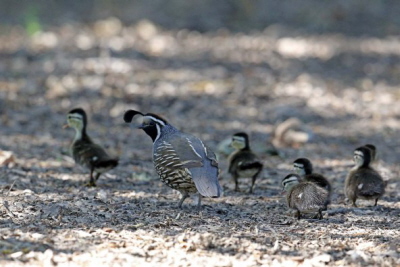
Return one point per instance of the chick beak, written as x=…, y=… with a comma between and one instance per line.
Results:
x=65, y=126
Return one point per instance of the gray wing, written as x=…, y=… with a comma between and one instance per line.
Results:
x=188, y=155
x=201, y=162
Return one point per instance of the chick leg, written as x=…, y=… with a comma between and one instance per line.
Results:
x=92, y=182
x=297, y=214
x=235, y=178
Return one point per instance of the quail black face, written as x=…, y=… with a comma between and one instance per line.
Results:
x=302, y=166
x=151, y=123
x=362, y=156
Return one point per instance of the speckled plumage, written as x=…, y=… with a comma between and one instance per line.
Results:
x=181, y=160
x=243, y=163
x=84, y=151
x=305, y=197
x=306, y=171
x=363, y=181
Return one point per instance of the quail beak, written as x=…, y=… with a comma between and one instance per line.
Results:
x=136, y=125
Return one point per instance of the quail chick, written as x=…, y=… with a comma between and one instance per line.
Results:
x=243, y=162
x=304, y=168
x=182, y=161
x=304, y=197
x=84, y=151
x=363, y=181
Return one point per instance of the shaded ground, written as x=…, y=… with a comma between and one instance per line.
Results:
x=211, y=84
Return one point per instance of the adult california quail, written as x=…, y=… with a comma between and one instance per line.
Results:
x=182, y=161
x=363, y=181
x=84, y=151
x=243, y=163
x=304, y=196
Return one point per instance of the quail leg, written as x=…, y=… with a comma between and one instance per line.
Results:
x=199, y=202
x=184, y=196
x=253, y=181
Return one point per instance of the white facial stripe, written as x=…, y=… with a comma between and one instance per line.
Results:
x=156, y=120
x=289, y=180
x=239, y=139
x=75, y=116
x=358, y=153
x=298, y=166
x=158, y=132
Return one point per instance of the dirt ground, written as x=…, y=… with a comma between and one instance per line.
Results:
x=344, y=88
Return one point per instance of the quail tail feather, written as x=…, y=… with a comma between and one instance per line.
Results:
x=206, y=180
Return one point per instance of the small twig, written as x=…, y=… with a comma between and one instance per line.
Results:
x=12, y=185
x=9, y=212
x=275, y=248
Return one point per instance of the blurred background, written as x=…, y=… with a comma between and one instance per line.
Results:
x=211, y=67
